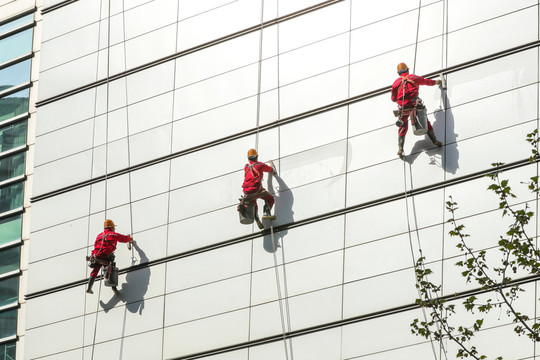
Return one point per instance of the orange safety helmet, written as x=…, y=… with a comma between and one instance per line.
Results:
x=252, y=154
x=402, y=68
x=108, y=224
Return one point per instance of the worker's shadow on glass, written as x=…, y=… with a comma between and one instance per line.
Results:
x=284, y=200
x=450, y=155
x=133, y=290
x=447, y=156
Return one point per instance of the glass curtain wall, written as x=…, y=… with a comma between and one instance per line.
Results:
x=15, y=66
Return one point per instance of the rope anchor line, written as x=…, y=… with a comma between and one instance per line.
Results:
x=280, y=296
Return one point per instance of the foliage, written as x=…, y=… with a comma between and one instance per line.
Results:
x=518, y=252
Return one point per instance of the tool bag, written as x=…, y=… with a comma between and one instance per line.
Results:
x=111, y=276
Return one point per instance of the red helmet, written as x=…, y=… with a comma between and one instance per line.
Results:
x=402, y=68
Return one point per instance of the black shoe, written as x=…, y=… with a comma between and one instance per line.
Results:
x=90, y=283
x=267, y=214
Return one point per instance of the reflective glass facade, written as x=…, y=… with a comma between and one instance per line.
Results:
x=16, y=52
x=148, y=121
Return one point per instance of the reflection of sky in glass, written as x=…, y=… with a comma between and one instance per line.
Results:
x=15, y=74
x=16, y=45
x=15, y=23
x=10, y=229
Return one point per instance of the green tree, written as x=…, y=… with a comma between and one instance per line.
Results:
x=518, y=253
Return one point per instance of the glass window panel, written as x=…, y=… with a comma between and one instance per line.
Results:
x=164, y=12
x=7, y=351
x=9, y=292
x=12, y=166
x=373, y=40
x=15, y=23
x=80, y=166
x=8, y=323
x=10, y=229
x=9, y=260
x=494, y=36
x=464, y=13
x=189, y=8
x=326, y=88
x=218, y=59
x=81, y=71
x=69, y=46
x=307, y=29
x=12, y=136
x=326, y=55
x=151, y=46
x=16, y=45
x=69, y=18
x=11, y=197
x=14, y=104
x=15, y=74
x=226, y=19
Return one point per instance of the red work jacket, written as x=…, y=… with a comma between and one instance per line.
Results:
x=106, y=245
x=410, y=86
x=253, y=174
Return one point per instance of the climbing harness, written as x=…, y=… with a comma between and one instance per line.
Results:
x=417, y=113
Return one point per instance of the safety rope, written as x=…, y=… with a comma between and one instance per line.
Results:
x=443, y=102
x=100, y=278
x=278, y=284
x=259, y=76
x=130, y=247
x=419, y=249
x=413, y=203
x=274, y=250
x=285, y=299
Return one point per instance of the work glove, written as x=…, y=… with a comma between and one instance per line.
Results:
x=273, y=166
x=438, y=82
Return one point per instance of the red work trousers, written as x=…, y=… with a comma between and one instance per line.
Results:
x=268, y=199
x=95, y=270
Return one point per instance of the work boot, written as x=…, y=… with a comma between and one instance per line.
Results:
x=115, y=290
x=259, y=223
x=401, y=142
x=433, y=138
x=267, y=214
x=90, y=283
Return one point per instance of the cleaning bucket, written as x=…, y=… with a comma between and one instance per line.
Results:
x=246, y=211
x=420, y=126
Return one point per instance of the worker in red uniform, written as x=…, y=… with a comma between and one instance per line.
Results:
x=253, y=176
x=104, y=247
x=405, y=93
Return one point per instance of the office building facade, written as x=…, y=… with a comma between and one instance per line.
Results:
x=146, y=111
x=18, y=70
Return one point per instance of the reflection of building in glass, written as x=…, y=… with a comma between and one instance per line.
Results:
x=12, y=106
x=148, y=121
